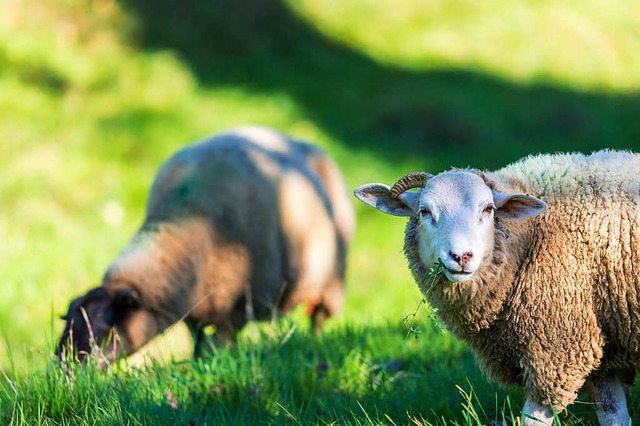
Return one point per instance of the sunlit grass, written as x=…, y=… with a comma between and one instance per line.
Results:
x=585, y=45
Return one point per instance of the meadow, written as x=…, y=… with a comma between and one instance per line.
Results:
x=94, y=95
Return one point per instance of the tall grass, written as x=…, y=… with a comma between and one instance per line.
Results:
x=278, y=374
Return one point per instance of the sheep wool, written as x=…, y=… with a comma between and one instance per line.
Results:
x=556, y=302
x=244, y=225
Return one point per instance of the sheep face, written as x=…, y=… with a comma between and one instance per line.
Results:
x=455, y=212
x=92, y=321
x=455, y=223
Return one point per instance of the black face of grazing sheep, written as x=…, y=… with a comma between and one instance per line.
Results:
x=92, y=321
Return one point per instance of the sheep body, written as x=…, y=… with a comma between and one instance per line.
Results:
x=237, y=227
x=555, y=305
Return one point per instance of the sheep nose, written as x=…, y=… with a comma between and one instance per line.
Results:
x=461, y=259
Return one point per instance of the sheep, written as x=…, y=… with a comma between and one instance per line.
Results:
x=237, y=227
x=546, y=293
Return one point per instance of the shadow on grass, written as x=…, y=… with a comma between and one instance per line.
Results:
x=453, y=117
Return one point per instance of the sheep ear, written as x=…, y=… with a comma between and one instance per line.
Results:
x=378, y=196
x=518, y=206
x=124, y=302
x=76, y=304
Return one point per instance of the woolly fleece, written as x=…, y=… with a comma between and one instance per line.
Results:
x=557, y=301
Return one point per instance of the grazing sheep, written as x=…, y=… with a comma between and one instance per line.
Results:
x=546, y=293
x=237, y=226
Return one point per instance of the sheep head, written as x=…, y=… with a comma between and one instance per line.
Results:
x=92, y=323
x=455, y=211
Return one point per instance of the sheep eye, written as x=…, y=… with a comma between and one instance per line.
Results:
x=425, y=213
x=490, y=208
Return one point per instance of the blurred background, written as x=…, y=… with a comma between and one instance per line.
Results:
x=95, y=94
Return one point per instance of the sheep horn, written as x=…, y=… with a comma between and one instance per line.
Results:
x=408, y=181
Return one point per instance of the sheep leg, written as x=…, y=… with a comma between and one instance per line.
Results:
x=535, y=414
x=609, y=394
x=204, y=342
x=197, y=335
x=318, y=317
x=330, y=304
x=198, y=339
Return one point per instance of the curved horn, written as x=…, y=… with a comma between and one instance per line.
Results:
x=408, y=181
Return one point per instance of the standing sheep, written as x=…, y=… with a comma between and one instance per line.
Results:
x=236, y=227
x=546, y=293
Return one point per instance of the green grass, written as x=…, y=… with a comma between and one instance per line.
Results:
x=278, y=375
x=95, y=94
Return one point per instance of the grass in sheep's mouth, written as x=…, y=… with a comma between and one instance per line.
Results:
x=435, y=273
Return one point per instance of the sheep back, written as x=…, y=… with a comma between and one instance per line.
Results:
x=283, y=200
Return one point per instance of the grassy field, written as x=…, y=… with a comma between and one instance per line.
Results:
x=94, y=95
